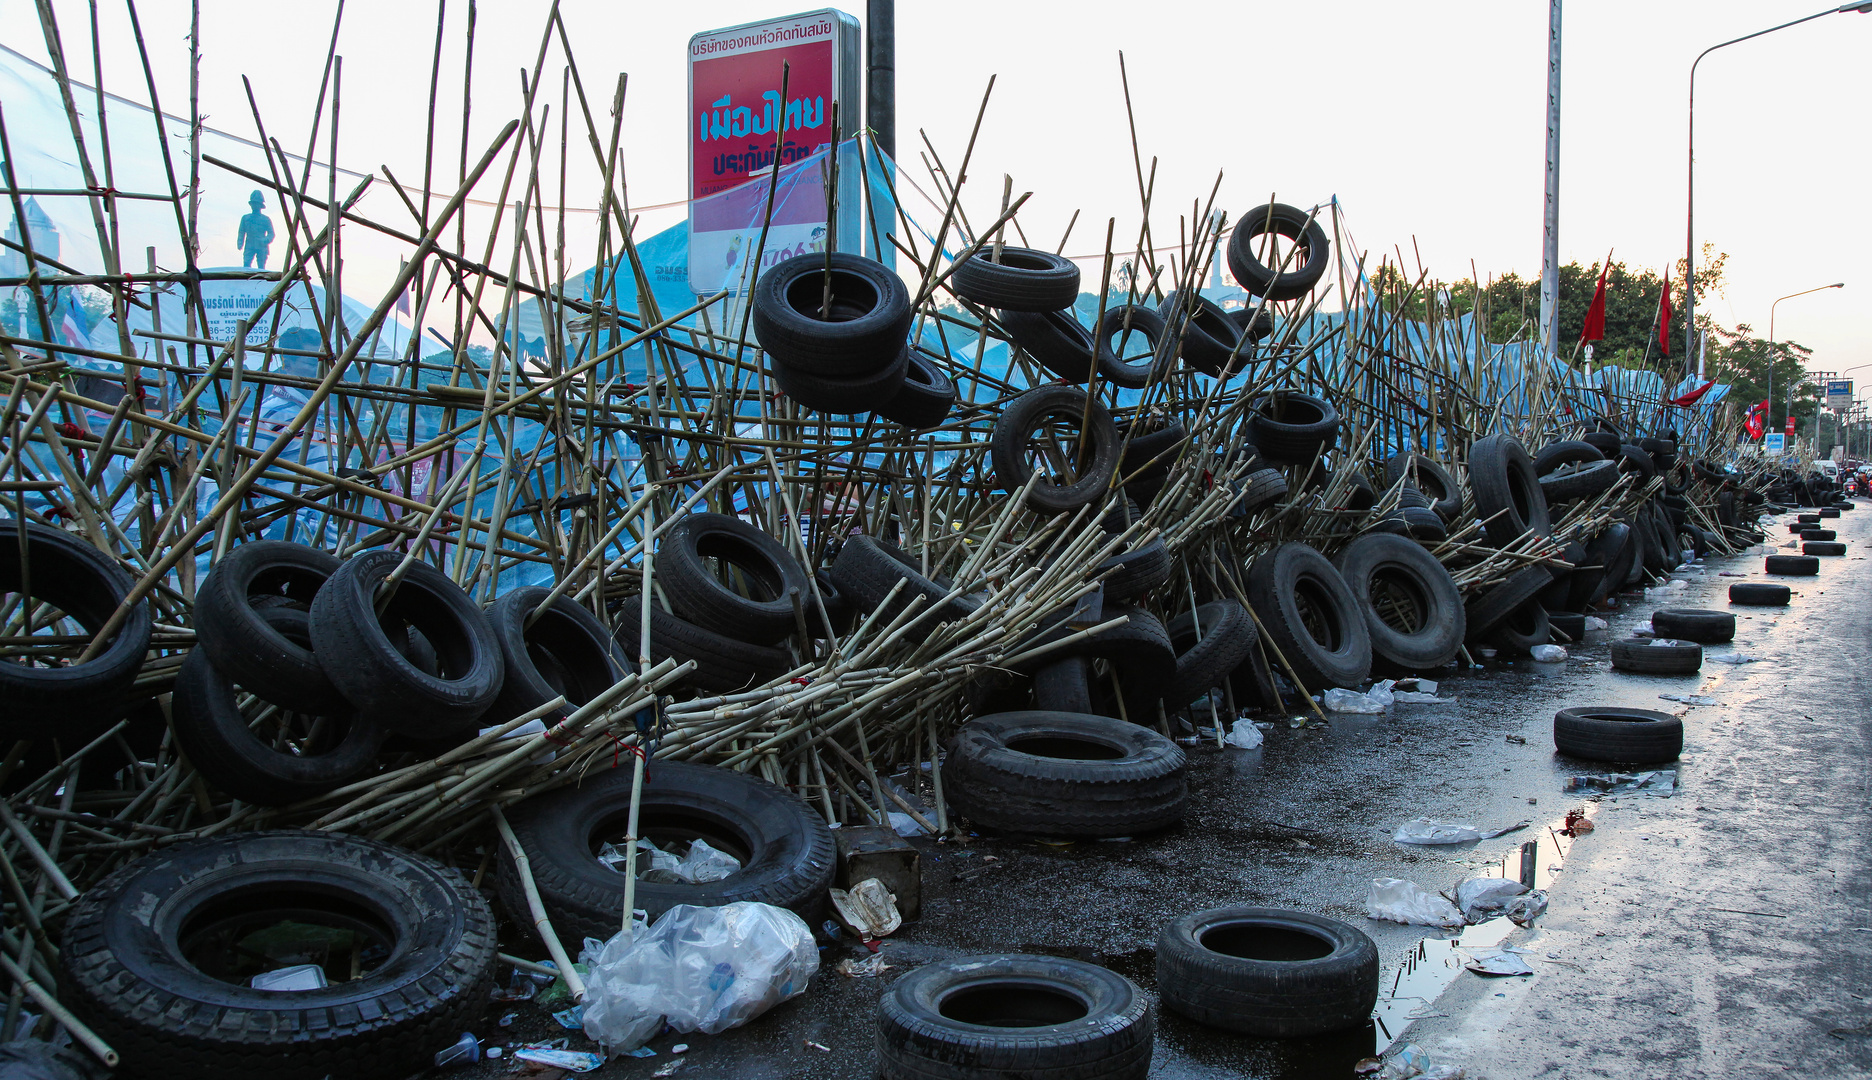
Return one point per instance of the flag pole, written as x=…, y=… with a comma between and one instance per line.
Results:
x=1550, y=214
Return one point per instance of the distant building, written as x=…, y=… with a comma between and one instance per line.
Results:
x=45, y=240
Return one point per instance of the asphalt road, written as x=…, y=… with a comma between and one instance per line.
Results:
x=1648, y=976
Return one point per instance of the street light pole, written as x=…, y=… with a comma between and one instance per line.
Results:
x=1771, y=351
x=1863, y=7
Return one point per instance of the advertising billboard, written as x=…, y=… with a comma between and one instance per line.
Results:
x=1839, y=394
x=741, y=134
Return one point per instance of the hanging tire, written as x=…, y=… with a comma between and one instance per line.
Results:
x=1823, y=547
x=1759, y=594
x=156, y=958
x=223, y=746
x=723, y=664
x=843, y=395
x=87, y=586
x=1411, y=607
x=697, y=593
x=349, y=638
x=1064, y=774
x=1256, y=325
x=1055, y=339
x=1119, y=364
x=1433, y=480
x=1024, y=280
x=924, y=399
x=1309, y=614
x=1202, y=334
x=1657, y=656
x=867, y=568
x=864, y=332
x=566, y=651
x=1792, y=565
x=1704, y=627
x=1508, y=496
x=1008, y=1015
x=1291, y=428
x=1267, y=972
x=248, y=649
x=1204, y=661
x=1490, y=609
x=1270, y=282
x=1009, y=442
x=1604, y=733
x=787, y=854
x=1578, y=481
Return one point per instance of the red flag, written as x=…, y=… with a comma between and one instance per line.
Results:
x=1684, y=401
x=1595, y=315
x=1664, y=316
x=1757, y=420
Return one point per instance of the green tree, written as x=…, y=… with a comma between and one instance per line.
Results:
x=1744, y=361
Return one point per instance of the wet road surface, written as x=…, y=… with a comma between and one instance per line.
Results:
x=1771, y=818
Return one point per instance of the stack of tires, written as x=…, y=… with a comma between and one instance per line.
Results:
x=835, y=329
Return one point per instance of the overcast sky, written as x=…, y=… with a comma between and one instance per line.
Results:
x=1424, y=119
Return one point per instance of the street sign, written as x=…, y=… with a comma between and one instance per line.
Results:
x=738, y=126
x=1790, y=426
x=1839, y=394
x=1773, y=443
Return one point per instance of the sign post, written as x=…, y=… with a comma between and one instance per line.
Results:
x=1839, y=394
x=741, y=133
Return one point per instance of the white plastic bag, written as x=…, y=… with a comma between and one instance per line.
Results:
x=1375, y=701
x=702, y=864
x=1548, y=653
x=1400, y=901
x=1485, y=897
x=703, y=969
x=1425, y=830
x=1244, y=735
x=1524, y=909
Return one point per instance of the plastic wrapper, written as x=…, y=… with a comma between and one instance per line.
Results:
x=1527, y=907
x=1425, y=830
x=1400, y=901
x=1548, y=653
x=702, y=863
x=1244, y=735
x=1374, y=701
x=1486, y=897
x=703, y=969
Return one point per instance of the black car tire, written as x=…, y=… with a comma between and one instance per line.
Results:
x=1202, y=334
x=88, y=586
x=1422, y=623
x=1792, y=565
x=1823, y=547
x=1430, y=478
x=1009, y=1015
x=1055, y=339
x=1122, y=323
x=1291, y=428
x=1300, y=598
x=723, y=664
x=867, y=568
x=787, y=854
x=1023, y=280
x=843, y=395
x=1064, y=774
x=1704, y=627
x=1018, y=420
x=567, y=651
x=1267, y=972
x=695, y=589
x=349, y=638
x=925, y=397
x=869, y=319
x=1488, y=610
x=1603, y=733
x=1657, y=656
x=1578, y=481
x=128, y=965
x=241, y=642
x=1270, y=282
x=1508, y=496
x=1759, y=594
x=1204, y=661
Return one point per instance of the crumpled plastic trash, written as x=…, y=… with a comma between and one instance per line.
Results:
x=1245, y=735
x=1662, y=782
x=572, y=1060
x=1371, y=703
x=1594, y=622
x=1484, y=897
x=1689, y=699
x=1732, y=658
x=297, y=977
x=904, y=825
x=1548, y=653
x=702, y=863
x=1501, y=962
x=1400, y=901
x=1524, y=909
x=1406, y=1063
x=869, y=909
x=703, y=969
x=1430, y=831
x=870, y=967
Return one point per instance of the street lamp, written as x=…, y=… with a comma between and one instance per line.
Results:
x=1771, y=333
x=1863, y=7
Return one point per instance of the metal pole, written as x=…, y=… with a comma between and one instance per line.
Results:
x=881, y=74
x=1550, y=213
